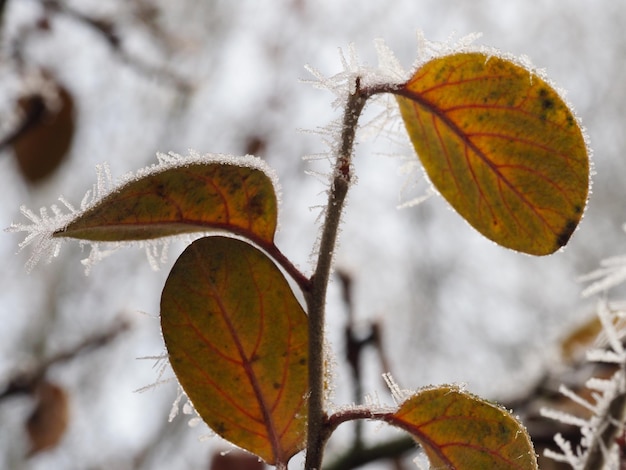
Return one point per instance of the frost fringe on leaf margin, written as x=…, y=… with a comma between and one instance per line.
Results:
x=388, y=121
x=390, y=71
x=598, y=448
x=48, y=221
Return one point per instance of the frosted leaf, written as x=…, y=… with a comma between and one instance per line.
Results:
x=429, y=50
x=42, y=227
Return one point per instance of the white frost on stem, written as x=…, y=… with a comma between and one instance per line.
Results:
x=388, y=72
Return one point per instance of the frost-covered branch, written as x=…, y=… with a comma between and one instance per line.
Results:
x=598, y=448
x=316, y=300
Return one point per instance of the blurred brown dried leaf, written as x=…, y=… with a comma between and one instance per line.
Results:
x=48, y=422
x=44, y=141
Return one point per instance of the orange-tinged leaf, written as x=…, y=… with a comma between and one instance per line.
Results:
x=237, y=340
x=501, y=146
x=189, y=198
x=460, y=431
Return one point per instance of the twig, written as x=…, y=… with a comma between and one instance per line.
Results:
x=365, y=455
x=25, y=382
x=317, y=430
x=3, y=4
x=613, y=427
x=316, y=298
x=108, y=31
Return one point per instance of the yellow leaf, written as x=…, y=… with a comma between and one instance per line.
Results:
x=501, y=146
x=197, y=197
x=48, y=422
x=237, y=340
x=463, y=432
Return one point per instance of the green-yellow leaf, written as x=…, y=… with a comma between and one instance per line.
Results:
x=237, y=340
x=197, y=197
x=501, y=146
x=460, y=431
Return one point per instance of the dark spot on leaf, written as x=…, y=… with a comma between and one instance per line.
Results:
x=566, y=233
x=303, y=361
x=160, y=190
x=256, y=204
x=547, y=103
x=276, y=386
x=220, y=428
x=578, y=209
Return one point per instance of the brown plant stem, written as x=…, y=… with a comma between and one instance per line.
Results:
x=318, y=428
x=271, y=249
x=356, y=458
x=317, y=432
x=26, y=381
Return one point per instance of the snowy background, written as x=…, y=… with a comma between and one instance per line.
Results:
x=453, y=306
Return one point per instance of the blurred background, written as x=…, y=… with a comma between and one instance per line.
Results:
x=84, y=82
